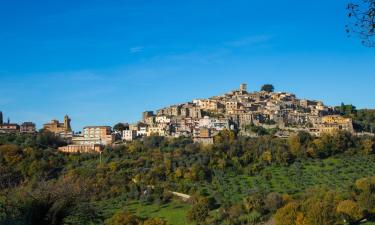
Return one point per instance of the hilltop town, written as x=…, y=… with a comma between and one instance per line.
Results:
x=247, y=113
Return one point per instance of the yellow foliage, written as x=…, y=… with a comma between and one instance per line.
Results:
x=364, y=184
x=287, y=215
x=367, y=146
x=11, y=153
x=155, y=221
x=267, y=156
x=294, y=145
x=300, y=219
x=112, y=166
x=311, y=152
x=286, y=198
x=350, y=209
x=178, y=173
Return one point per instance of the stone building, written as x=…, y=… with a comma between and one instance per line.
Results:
x=203, y=136
x=56, y=127
x=28, y=127
x=147, y=114
x=209, y=105
x=334, y=123
x=280, y=110
x=9, y=128
x=157, y=130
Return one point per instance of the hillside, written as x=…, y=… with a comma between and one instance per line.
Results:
x=235, y=180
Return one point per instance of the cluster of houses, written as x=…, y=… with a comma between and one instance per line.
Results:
x=202, y=119
x=8, y=127
x=237, y=110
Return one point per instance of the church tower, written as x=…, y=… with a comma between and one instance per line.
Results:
x=67, y=123
x=243, y=88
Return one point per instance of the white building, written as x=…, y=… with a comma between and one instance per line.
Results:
x=162, y=119
x=142, y=131
x=214, y=123
x=129, y=135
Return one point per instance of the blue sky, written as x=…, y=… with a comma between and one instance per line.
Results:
x=103, y=62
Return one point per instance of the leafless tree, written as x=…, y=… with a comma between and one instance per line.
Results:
x=362, y=21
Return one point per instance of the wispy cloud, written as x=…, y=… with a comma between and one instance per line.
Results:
x=250, y=40
x=136, y=49
x=84, y=76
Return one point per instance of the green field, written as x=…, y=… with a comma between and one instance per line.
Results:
x=173, y=212
x=332, y=173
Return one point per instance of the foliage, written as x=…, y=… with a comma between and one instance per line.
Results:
x=120, y=127
x=323, y=206
x=124, y=218
x=362, y=13
x=155, y=221
x=199, y=212
x=268, y=88
x=287, y=215
x=134, y=181
x=258, y=130
x=350, y=210
x=363, y=119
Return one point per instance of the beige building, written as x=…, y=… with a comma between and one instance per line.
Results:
x=231, y=105
x=208, y=104
x=203, y=136
x=81, y=149
x=158, y=131
x=129, y=135
x=95, y=135
x=335, y=123
x=9, y=128
x=28, y=127
x=56, y=127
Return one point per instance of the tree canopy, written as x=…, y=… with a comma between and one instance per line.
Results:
x=268, y=88
x=120, y=127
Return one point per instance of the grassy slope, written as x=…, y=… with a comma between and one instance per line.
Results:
x=174, y=212
x=333, y=173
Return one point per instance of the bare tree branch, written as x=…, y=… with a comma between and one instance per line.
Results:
x=362, y=21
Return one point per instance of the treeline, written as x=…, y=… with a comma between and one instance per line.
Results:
x=316, y=206
x=321, y=206
x=363, y=119
x=39, y=185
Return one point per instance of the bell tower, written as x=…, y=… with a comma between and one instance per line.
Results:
x=67, y=126
x=243, y=87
